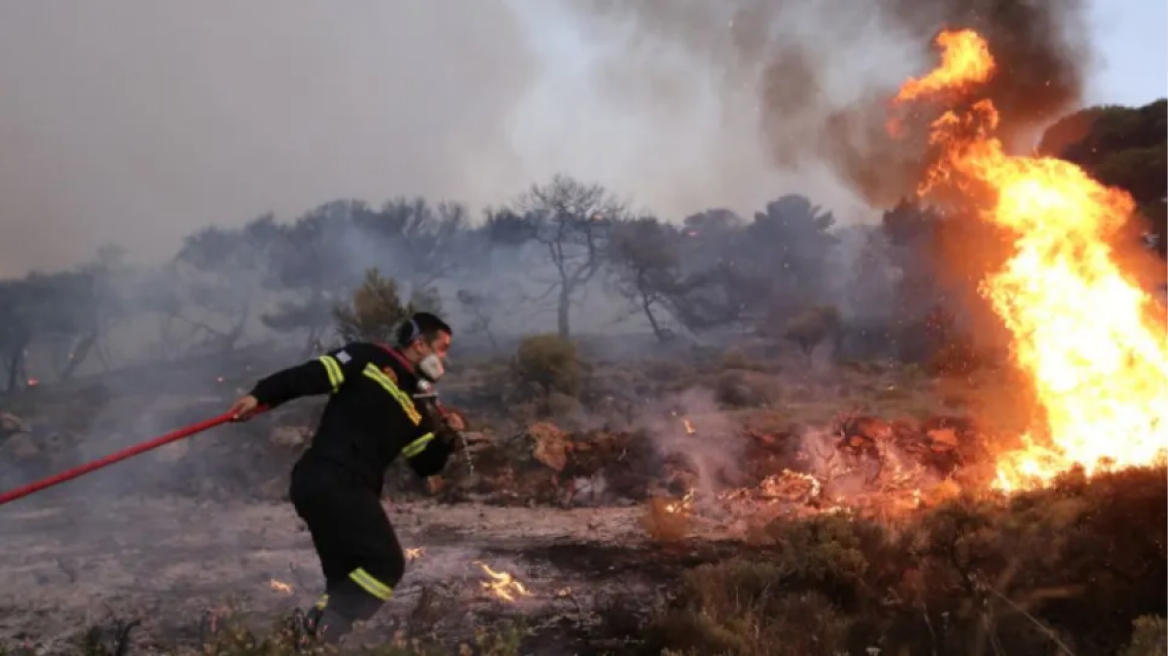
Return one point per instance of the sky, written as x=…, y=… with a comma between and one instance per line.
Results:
x=135, y=122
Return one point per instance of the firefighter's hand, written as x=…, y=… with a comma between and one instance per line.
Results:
x=244, y=408
x=453, y=439
x=455, y=422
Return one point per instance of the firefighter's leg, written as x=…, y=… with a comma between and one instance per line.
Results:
x=376, y=564
x=317, y=497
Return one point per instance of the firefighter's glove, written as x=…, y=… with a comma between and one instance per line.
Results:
x=452, y=438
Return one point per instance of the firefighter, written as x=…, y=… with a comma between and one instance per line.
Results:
x=380, y=405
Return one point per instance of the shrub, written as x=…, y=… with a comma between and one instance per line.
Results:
x=812, y=327
x=374, y=311
x=549, y=363
x=1077, y=568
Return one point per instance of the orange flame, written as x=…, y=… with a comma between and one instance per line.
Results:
x=1087, y=335
x=280, y=586
x=689, y=427
x=415, y=553
x=503, y=585
x=965, y=60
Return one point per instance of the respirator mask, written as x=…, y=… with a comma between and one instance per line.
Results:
x=431, y=368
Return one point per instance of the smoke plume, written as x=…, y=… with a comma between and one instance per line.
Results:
x=136, y=122
x=813, y=78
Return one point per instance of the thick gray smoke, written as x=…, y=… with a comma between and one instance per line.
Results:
x=809, y=82
x=135, y=122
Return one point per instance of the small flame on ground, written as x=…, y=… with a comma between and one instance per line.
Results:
x=689, y=427
x=503, y=585
x=280, y=586
x=685, y=505
x=415, y=553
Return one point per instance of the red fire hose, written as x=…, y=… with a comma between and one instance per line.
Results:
x=81, y=470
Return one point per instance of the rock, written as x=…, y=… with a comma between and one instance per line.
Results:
x=10, y=423
x=21, y=446
x=290, y=437
x=551, y=445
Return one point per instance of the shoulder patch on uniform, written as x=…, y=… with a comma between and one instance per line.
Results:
x=343, y=357
x=388, y=371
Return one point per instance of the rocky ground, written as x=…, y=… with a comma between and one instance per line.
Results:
x=174, y=563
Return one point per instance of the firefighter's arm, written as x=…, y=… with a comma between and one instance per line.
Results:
x=428, y=453
x=322, y=375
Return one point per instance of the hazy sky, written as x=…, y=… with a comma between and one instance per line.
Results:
x=136, y=121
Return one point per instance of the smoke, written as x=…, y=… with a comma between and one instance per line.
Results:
x=135, y=122
x=810, y=81
x=715, y=447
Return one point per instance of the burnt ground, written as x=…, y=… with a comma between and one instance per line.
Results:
x=174, y=562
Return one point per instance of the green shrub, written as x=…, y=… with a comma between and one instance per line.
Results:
x=549, y=363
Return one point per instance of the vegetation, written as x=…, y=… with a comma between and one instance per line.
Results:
x=1075, y=569
x=1022, y=577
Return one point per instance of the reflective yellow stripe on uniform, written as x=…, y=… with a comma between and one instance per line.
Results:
x=322, y=602
x=417, y=446
x=335, y=375
x=371, y=585
x=401, y=397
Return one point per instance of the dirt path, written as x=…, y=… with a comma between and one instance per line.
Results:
x=172, y=560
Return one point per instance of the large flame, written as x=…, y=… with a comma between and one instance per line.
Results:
x=1087, y=335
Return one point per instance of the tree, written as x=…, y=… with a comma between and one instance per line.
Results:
x=221, y=271
x=788, y=244
x=811, y=327
x=1125, y=147
x=571, y=222
x=644, y=259
x=374, y=311
x=422, y=242
x=478, y=305
x=315, y=266
x=16, y=330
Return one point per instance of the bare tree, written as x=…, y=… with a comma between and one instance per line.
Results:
x=572, y=222
x=478, y=306
x=222, y=269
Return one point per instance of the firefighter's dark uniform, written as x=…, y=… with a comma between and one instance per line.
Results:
x=370, y=418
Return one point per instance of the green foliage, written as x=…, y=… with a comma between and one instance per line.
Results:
x=550, y=363
x=374, y=312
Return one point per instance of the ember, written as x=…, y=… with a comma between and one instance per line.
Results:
x=415, y=553
x=280, y=586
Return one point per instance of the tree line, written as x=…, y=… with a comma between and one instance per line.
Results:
x=789, y=268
